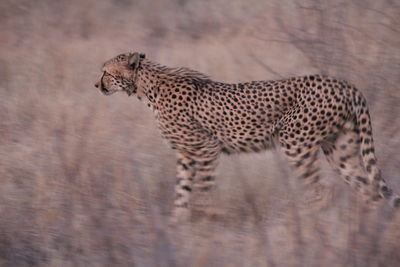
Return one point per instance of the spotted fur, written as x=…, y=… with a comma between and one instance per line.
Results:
x=202, y=118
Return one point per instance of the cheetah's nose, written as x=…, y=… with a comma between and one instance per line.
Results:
x=96, y=85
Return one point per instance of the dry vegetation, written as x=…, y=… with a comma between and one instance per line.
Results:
x=87, y=181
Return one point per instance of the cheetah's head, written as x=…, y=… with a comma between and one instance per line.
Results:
x=120, y=74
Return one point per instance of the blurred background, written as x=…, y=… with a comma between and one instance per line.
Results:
x=86, y=180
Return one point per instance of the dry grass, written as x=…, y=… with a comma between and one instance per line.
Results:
x=87, y=181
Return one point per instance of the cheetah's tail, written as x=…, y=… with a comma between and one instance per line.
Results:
x=367, y=150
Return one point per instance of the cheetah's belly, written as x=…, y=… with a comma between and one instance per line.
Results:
x=247, y=140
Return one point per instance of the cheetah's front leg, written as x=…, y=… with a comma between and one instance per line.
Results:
x=185, y=175
x=195, y=170
x=204, y=183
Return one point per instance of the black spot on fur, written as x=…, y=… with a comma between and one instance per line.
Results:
x=386, y=192
x=362, y=179
x=187, y=188
x=205, y=188
x=368, y=168
x=208, y=178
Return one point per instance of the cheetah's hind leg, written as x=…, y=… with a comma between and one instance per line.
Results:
x=343, y=155
x=304, y=162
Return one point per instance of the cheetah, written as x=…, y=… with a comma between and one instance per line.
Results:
x=202, y=119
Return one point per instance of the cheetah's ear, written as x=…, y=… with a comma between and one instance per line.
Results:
x=135, y=59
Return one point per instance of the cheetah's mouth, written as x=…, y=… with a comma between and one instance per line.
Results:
x=131, y=90
x=105, y=91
